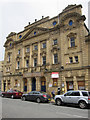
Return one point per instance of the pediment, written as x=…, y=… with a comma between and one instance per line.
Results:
x=8, y=41
x=34, y=32
x=69, y=15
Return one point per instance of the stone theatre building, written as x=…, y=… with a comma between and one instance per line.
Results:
x=48, y=54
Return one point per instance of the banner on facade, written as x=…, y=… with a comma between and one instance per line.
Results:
x=54, y=75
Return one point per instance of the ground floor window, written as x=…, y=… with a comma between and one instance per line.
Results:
x=69, y=85
x=8, y=84
x=81, y=85
x=16, y=82
x=55, y=83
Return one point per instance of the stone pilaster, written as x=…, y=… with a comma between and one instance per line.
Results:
x=29, y=84
x=65, y=85
x=22, y=85
x=2, y=88
x=31, y=60
x=6, y=85
x=38, y=84
x=87, y=83
x=75, y=85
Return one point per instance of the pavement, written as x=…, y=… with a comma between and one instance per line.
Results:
x=52, y=101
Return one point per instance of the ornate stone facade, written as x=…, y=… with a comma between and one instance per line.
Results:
x=1, y=72
x=48, y=54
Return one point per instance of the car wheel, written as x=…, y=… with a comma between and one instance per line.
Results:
x=38, y=100
x=23, y=98
x=82, y=104
x=2, y=95
x=58, y=102
x=12, y=96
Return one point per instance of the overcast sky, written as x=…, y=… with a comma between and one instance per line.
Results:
x=15, y=14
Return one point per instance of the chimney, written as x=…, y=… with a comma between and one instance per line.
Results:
x=35, y=20
x=42, y=17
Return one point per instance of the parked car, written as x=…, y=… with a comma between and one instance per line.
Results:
x=12, y=94
x=81, y=98
x=0, y=93
x=36, y=96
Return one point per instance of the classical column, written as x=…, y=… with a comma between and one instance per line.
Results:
x=65, y=85
x=75, y=84
x=38, y=85
x=29, y=84
x=87, y=80
x=31, y=59
x=2, y=87
x=23, y=54
x=22, y=85
x=39, y=60
x=6, y=85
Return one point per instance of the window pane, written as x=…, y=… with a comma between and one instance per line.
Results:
x=35, y=61
x=18, y=51
x=27, y=63
x=76, y=58
x=85, y=93
x=18, y=63
x=44, y=60
x=44, y=45
x=72, y=41
x=27, y=49
x=54, y=82
x=75, y=94
x=55, y=42
x=71, y=59
x=55, y=58
x=35, y=47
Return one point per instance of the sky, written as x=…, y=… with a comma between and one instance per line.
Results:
x=15, y=14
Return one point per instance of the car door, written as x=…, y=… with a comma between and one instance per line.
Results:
x=67, y=97
x=72, y=97
x=8, y=93
x=28, y=96
x=34, y=95
x=75, y=96
x=31, y=96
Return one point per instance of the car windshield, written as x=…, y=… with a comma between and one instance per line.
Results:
x=42, y=92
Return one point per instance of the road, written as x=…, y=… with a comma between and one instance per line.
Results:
x=16, y=108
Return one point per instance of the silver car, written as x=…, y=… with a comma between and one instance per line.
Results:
x=81, y=98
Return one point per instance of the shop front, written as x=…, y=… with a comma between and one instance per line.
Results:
x=70, y=85
x=55, y=76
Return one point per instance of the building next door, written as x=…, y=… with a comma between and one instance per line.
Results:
x=25, y=85
x=43, y=84
x=33, y=84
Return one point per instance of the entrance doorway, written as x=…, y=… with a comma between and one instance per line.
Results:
x=25, y=85
x=4, y=85
x=43, y=84
x=33, y=84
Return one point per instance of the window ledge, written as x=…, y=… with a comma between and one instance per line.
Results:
x=72, y=63
x=55, y=63
x=72, y=47
x=55, y=44
x=54, y=86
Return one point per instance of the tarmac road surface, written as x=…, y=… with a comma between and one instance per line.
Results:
x=16, y=108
